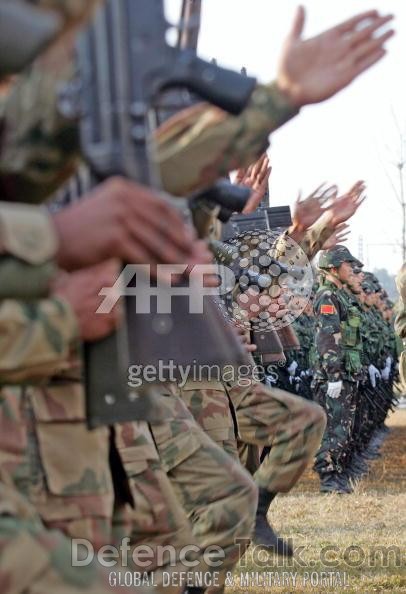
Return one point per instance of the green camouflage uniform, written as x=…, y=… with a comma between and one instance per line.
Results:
x=338, y=344
x=304, y=327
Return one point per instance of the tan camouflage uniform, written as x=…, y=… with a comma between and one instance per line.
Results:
x=216, y=493
x=400, y=321
x=36, y=340
x=35, y=560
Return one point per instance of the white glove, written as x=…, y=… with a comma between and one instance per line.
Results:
x=385, y=373
x=292, y=368
x=334, y=389
x=271, y=380
x=373, y=374
x=303, y=374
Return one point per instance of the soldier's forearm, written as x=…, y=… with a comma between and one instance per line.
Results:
x=41, y=148
x=36, y=339
x=197, y=146
x=315, y=237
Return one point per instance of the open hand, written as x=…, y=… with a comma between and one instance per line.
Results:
x=315, y=69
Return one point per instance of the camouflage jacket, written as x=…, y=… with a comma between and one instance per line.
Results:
x=304, y=327
x=40, y=147
x=370, y=333
x=27, y=247
x=338, y=337
x=37, y=340
x=400, y=320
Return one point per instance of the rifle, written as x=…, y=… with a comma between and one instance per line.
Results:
x=190, y=22
x=125, y=65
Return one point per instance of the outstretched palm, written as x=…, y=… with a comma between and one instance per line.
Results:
x=308, y=211
x=344, y=207
x=314, y=70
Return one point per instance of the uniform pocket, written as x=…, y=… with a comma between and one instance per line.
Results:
x=353, y=361
x=75, y=460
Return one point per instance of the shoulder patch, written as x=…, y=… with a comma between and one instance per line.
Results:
x=328, y=309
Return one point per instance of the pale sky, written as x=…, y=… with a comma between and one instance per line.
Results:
x=351, y=137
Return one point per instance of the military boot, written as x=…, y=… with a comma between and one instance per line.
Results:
x=359, y=466
x=334, y=483
x=371, y=453
x=264, y=534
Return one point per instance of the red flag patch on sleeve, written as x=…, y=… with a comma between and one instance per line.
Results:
x=328, y=309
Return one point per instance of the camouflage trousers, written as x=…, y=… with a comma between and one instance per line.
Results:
x=335, y=450
x=35, y=560
x=291, y=425
x=217, y=494
x=263, y=417
x=67, y=474
x=156, y=518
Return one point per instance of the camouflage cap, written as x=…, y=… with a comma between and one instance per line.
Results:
x=367, y=286
x=371, y=281
x=336, y=256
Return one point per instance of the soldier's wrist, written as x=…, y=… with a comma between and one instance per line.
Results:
x=271, y=97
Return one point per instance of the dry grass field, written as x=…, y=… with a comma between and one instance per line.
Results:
x=344, y=543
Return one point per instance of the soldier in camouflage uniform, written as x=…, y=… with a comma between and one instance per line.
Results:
x=400, y=320
x=338, y=368
x=36, y=340
x=79, y=498
x=357, y=69
x=305, y=358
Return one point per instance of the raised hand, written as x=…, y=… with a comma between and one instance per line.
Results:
x=314, y=70
x=308, y=211
x=256, y=177
x=344, y=207
x=339, y=236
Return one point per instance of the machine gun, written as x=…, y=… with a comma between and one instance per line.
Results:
x=125, y=65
